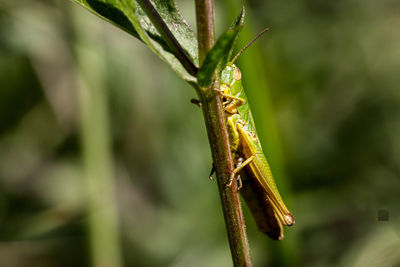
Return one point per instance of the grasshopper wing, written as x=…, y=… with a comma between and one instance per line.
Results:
x=260, y=207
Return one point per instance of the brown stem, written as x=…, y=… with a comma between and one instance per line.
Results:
x=219, y=142
x=205, y=27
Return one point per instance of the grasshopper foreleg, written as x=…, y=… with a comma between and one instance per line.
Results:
x=233, y=101
x=231, y=97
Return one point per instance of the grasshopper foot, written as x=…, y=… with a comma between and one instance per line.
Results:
x=212, y=172
x=196, y=102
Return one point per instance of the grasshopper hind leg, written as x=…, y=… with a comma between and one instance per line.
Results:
x=239, y=181
x=239, y=167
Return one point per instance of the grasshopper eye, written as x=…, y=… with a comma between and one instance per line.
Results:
x=237, y=74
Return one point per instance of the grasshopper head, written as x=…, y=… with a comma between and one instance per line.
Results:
x=227, y=75
x=232, y=76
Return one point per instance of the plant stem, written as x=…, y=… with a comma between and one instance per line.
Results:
x=219, y=142
x=205, y=26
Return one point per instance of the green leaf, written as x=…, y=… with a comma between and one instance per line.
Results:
x=220, y=53
x=111, y=14
x=239, y=21
x=129, y=16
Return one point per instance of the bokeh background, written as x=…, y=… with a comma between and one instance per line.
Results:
x=104, y=161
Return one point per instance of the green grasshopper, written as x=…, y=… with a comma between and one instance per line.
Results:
x=252, y=170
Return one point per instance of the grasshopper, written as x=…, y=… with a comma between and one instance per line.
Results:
x=252, y=170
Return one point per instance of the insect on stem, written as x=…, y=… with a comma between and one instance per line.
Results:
x=251, y=42
x=260, y=190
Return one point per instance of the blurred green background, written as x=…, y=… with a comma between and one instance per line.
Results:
x=104, y=161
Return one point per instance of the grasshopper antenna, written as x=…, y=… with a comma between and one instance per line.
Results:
x=246, y=46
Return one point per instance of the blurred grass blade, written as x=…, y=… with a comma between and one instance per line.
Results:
x=130, y=17
x=221, y=52
x=103, y=219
